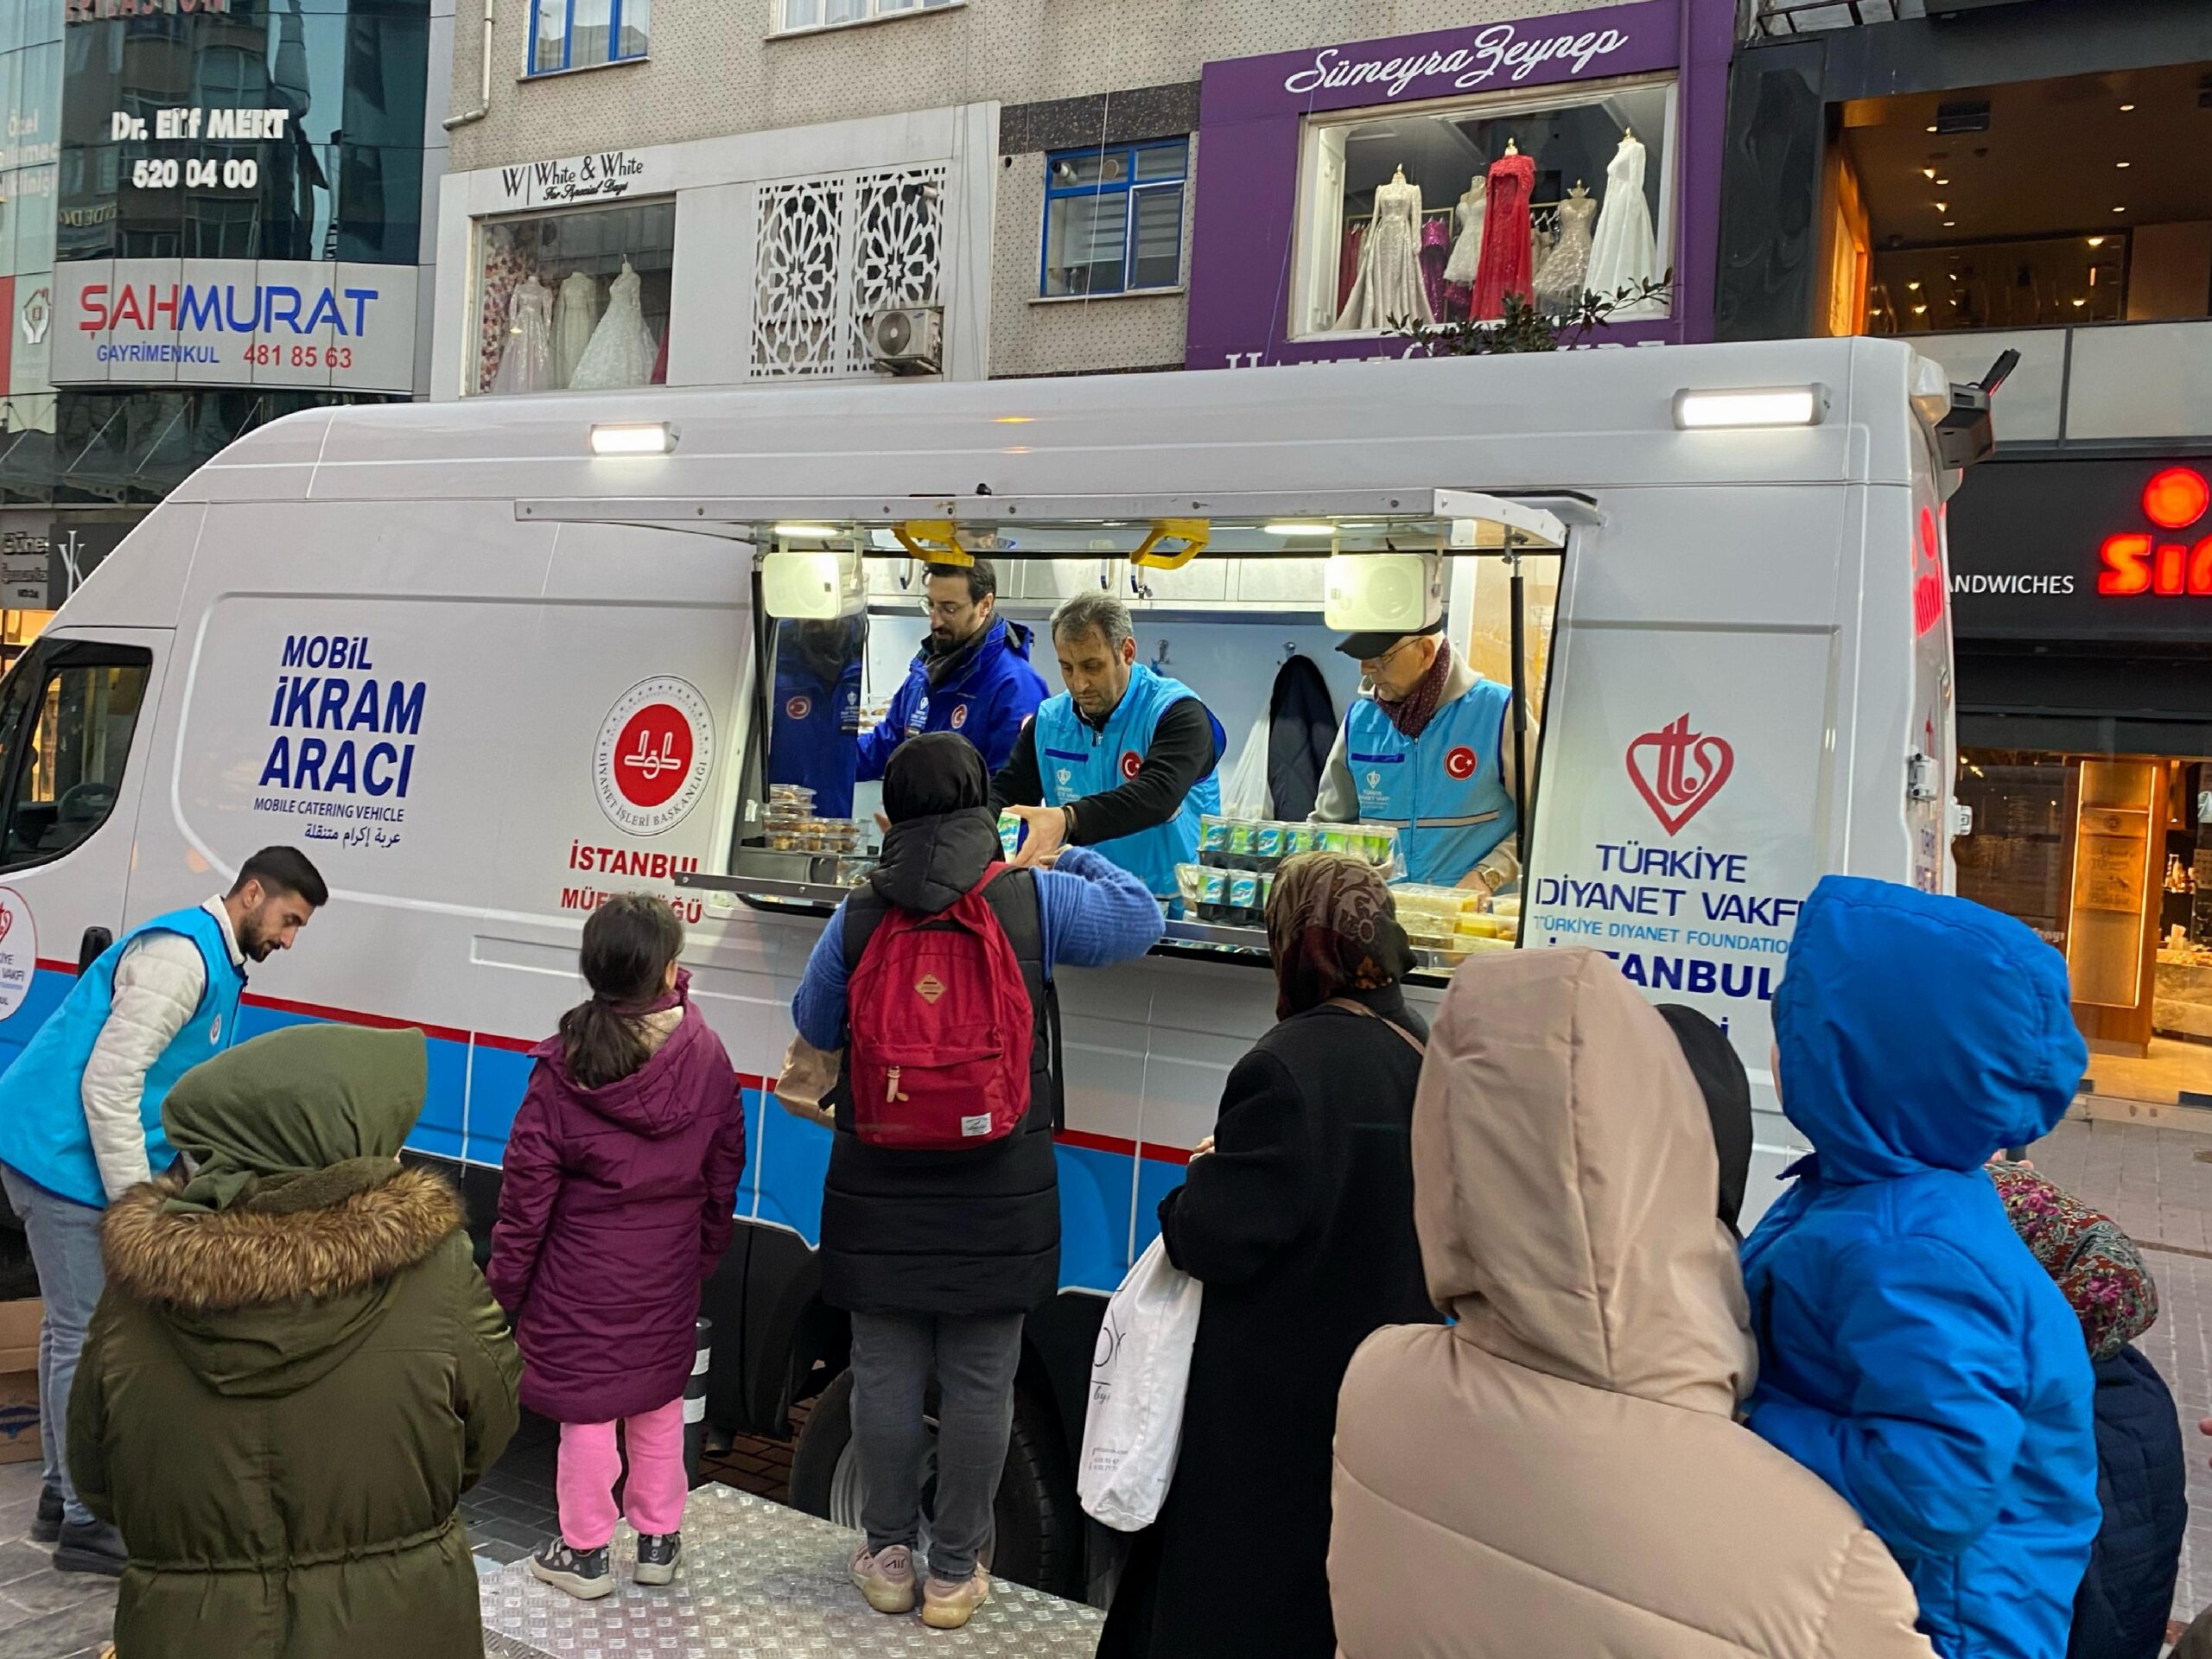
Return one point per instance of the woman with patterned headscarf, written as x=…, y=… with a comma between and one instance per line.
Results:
x=2120, y=1612
x=1297, y=1217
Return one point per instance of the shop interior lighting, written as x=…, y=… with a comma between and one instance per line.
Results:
x=1919, y=310
x=1942, y=181
x=806, y=532
x=1926, y=172
x=2080, y=301
x=2119, y=210
x=2123, y=164
x=1942, y=206
x=2125, y=108
x=1753, y=406
x=1298, y=530
x=1950, y=224
x=638, y=438
x=2097, y=241
x=1914, y=286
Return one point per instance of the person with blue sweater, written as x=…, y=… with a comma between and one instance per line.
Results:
x=972, y=675
x=81, y=1122
x=1912, y=1353
x=1124, y=760
x=939, y=1255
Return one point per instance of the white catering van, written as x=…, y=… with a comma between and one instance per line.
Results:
x=489, y=662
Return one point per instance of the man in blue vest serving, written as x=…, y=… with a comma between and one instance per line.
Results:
x=1122, y=761
x=80, y=1121
x=1429, y=753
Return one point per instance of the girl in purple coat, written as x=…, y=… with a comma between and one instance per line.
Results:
x=617, y=1201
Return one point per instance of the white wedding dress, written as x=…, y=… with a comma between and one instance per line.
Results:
x=1467, y=251
x=622, y=348
x=526, y=364
x=1565, y=267
x=1389, y=287
x=1624, y=249
x=575, y=313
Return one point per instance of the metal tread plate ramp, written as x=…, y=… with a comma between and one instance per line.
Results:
x=765, y=1582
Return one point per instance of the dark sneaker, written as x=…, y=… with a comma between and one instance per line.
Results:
x=657, y=1554
x=94, y=1548
x=47, y=1529
x=583, y=1573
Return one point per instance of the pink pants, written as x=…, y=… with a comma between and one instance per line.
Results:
x=589, y=1466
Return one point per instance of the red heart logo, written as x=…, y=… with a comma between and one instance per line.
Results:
x=7, y=920
x=1677, y=771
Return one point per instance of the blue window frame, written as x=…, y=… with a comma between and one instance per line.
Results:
x=584, y=34
x=1114, y=219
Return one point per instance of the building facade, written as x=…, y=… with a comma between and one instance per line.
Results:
x=2004, y=177
x=1052, y=187
x=236, y=224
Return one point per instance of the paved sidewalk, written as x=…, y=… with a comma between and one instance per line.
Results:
x=44, y=1614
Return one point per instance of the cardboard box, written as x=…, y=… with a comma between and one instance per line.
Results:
x=19, y=1435
x=19, y=1327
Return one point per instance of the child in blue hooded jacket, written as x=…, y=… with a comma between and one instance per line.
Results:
x=1912, y=1353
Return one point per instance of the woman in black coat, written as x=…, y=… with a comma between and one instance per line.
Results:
x=1297, y=1217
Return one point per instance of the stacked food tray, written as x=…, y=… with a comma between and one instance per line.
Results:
x=1455, y=922
x=1238, y=857
x=790, y=826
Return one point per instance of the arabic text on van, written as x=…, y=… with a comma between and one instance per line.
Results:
x=1495, y=49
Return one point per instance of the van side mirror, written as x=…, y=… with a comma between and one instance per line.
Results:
x=1965, y=435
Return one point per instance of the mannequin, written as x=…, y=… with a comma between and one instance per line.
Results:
x=1388, y=286
x=526, y=365
x=1560, y=277
x=576, y=313
x=622, y=347
x=1624, y=249
x=1503, y=267
x=1467, y=251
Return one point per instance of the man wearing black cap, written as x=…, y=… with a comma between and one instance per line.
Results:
x=1427, y=752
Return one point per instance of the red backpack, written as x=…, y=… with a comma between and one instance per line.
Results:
x=942, y=1029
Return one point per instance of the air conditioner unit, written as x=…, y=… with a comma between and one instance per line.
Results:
x=907, y=339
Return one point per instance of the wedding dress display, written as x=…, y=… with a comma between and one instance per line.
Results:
x=1560, y=275
x=1624, y=250
x=526, y=365
x=1389, y=287
x=575, y=313
x=1467, y=251
x=1503, y=267
x=1435, y=252
x=622, y=347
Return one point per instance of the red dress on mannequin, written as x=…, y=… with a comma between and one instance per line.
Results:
x=1503, y=268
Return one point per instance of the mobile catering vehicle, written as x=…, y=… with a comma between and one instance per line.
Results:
x=490, y=662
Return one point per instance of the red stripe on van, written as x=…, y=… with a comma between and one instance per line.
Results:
x=356, y=1017
x=1116, y=1144
x=68, y=968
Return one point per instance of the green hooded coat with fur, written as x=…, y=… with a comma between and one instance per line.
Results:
x=296, y=1371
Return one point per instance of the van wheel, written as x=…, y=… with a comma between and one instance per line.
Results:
x=1037, y=1530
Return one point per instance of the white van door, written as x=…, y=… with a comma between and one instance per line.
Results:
x=76, y=727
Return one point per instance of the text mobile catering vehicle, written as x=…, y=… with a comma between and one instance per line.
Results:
x=490, y=662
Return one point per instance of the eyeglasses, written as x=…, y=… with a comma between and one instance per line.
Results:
x=946, y=610
x=1368, y=666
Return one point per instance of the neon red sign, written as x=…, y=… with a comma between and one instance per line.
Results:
x=2140, y=562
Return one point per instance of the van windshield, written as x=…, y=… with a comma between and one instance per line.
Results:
x=1198, y=726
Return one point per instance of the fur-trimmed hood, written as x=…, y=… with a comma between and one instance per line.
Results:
x=264, y=1303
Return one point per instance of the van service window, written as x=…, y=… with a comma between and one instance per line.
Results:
x=1226, y=624
x=575, y=300
x=1433, y=211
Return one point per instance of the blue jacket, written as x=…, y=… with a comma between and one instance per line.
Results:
x=985, y=701
x=1912, y=1353
x=816, y=738
x=2143, y=1489
x=43, y=1134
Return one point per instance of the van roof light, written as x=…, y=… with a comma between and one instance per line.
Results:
x=634, y=438
x=1696, y=411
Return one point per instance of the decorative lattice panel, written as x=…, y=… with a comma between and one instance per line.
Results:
x=832, y=252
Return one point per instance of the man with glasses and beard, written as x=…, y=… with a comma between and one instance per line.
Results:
x=1428, y=752
x=80, y=1121
x=972, y=675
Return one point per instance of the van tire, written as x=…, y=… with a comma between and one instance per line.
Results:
x=1039, y=1527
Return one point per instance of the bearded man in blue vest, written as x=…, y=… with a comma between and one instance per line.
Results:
x=81, y=1122
x=1428, y=752
x=1123, y=761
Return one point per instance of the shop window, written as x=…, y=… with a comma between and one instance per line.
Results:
x=1436, y=213
x=67, y=719
x=585, y=34
x=1114, y=219
x=574, y=300
x=829, y=14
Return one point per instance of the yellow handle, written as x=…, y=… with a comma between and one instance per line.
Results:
x=932, y=539
x=1194, y=533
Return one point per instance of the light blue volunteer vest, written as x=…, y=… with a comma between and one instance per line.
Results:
x=43, y=1135
x=1444, y=790
x=1075, y=759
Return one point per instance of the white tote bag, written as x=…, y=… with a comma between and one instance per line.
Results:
x=1244, y=786
x=1137, y=1382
